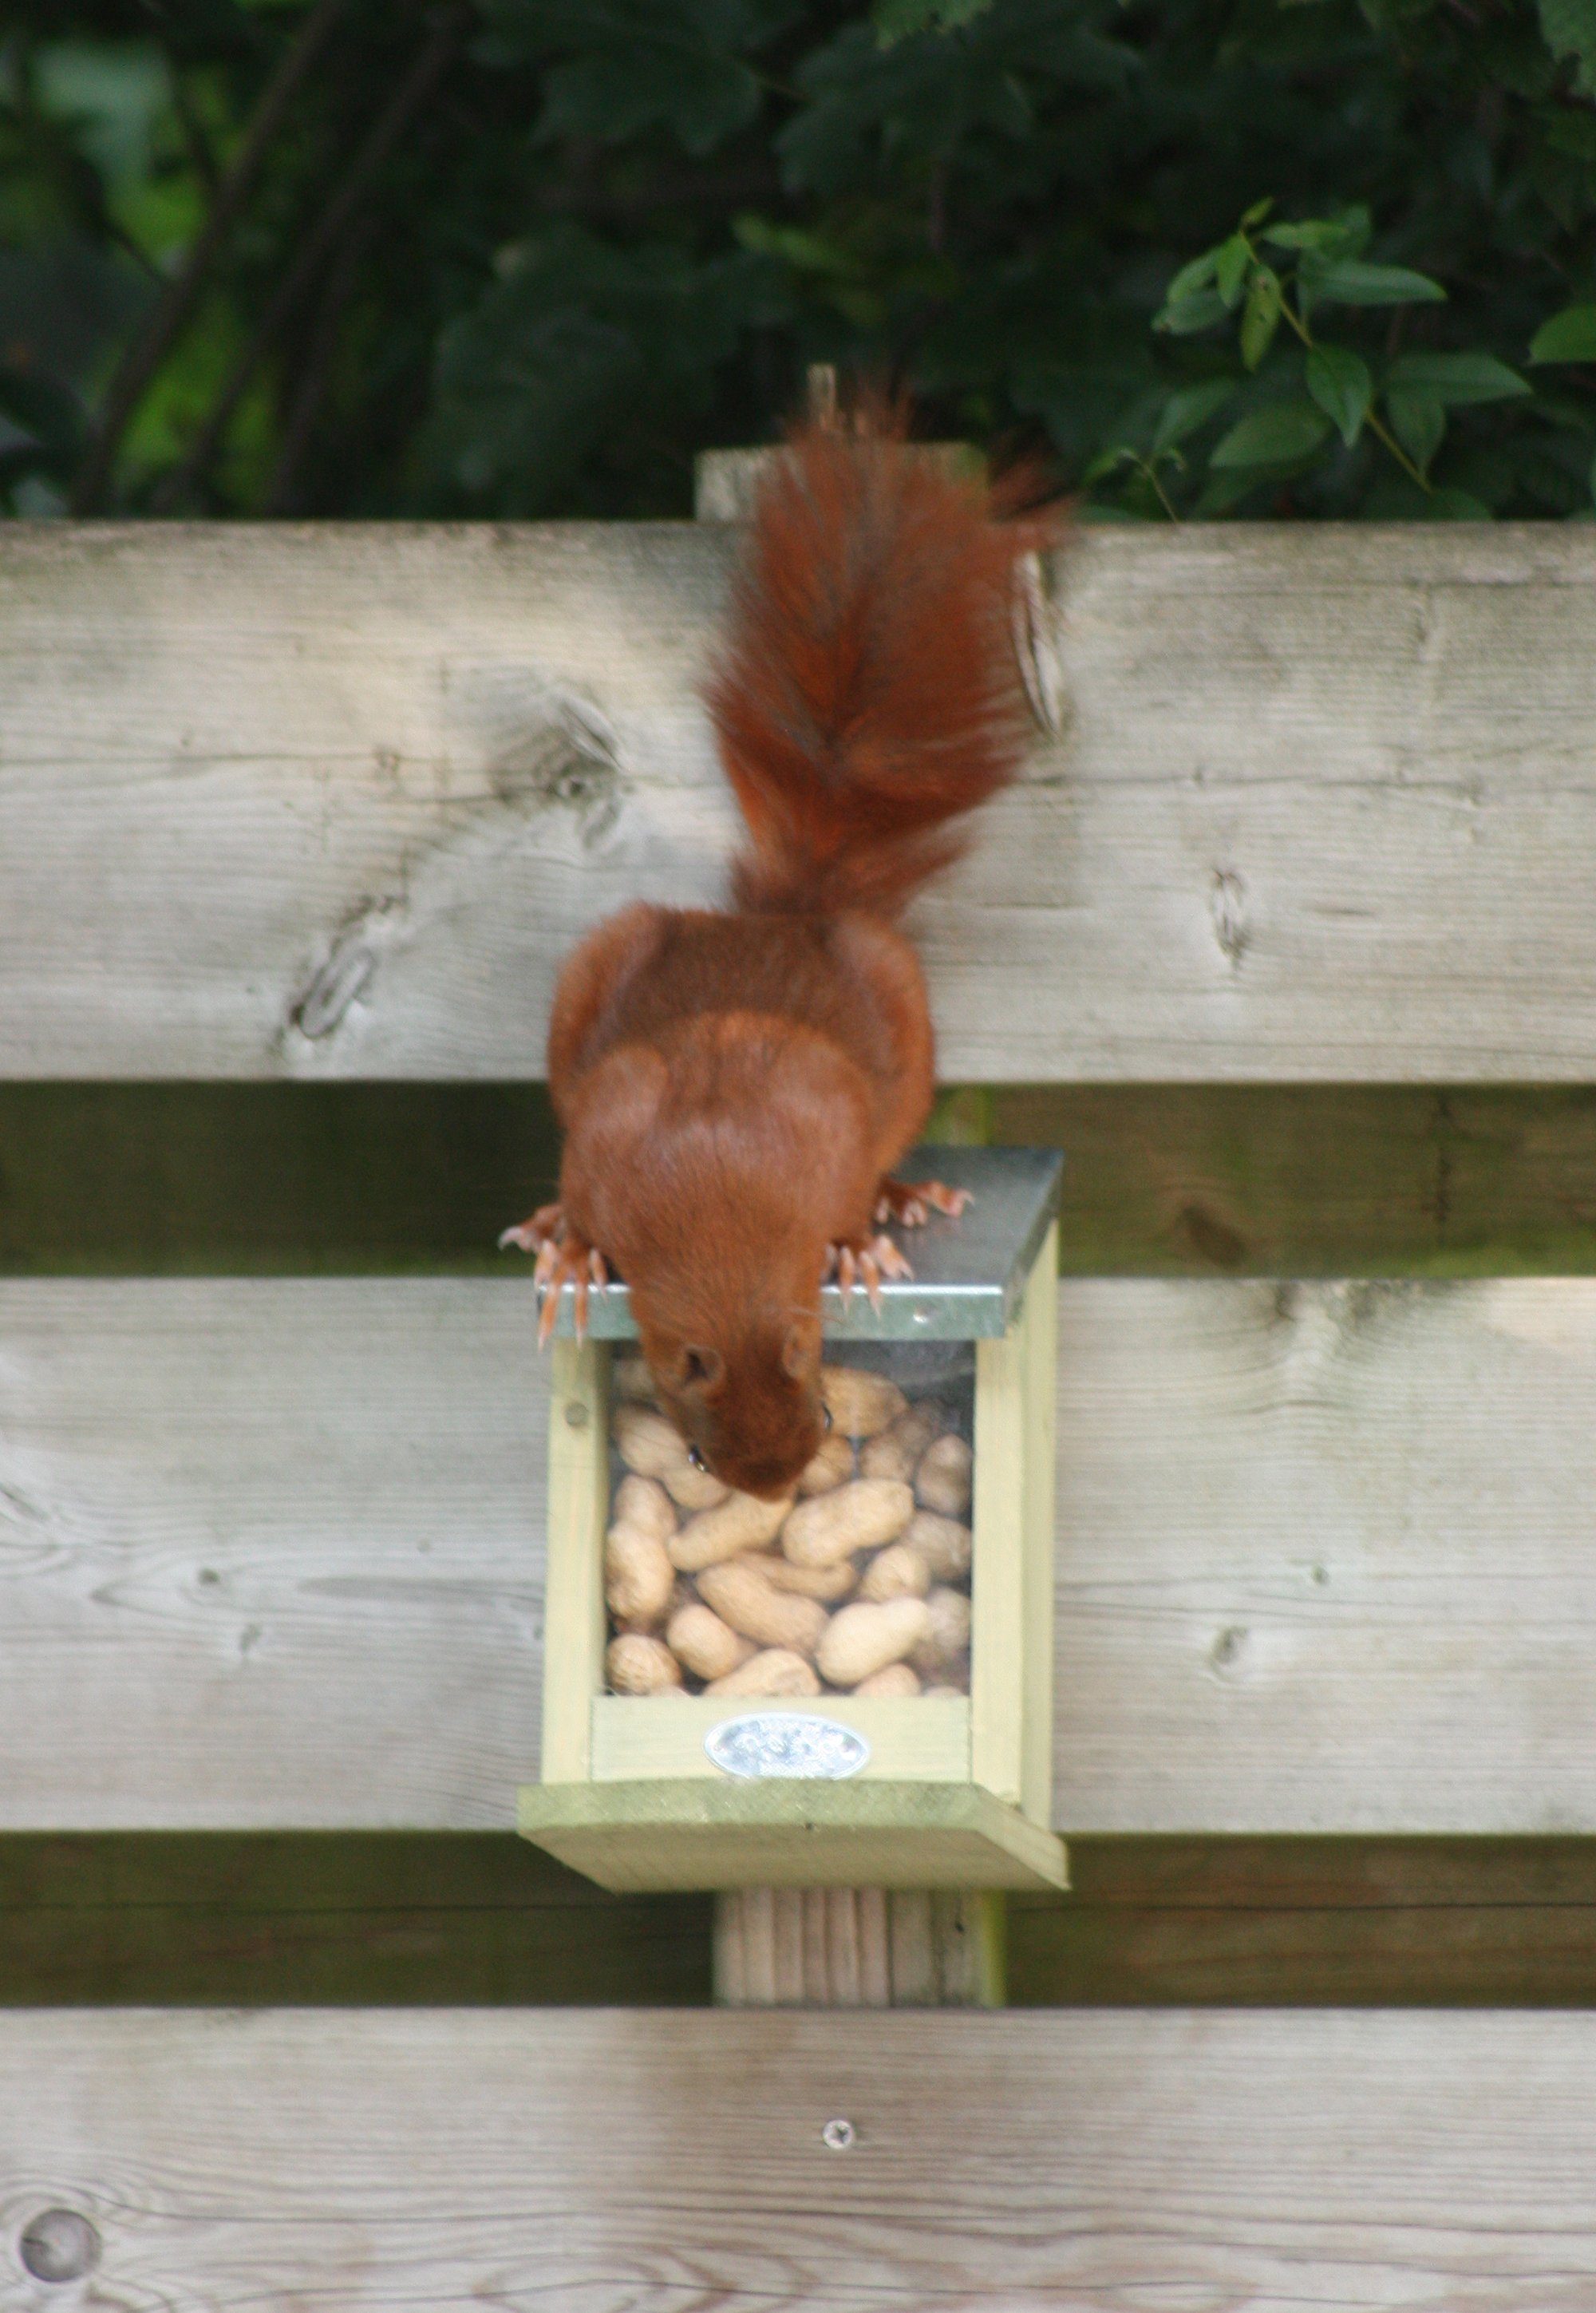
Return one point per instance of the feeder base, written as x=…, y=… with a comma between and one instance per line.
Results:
x=697, y=1834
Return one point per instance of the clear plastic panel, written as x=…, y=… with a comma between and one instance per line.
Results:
x=860, y=1585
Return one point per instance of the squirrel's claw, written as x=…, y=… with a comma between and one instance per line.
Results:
x=880, y=1258
x=562, y=1259
x=570, y=1262
x=864, y=1264
x=531, y=1235
x=910, y=1203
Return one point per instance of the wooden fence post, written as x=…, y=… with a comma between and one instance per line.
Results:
x=847, y=1947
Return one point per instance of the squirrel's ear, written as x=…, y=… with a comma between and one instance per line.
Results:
x=701, y=1368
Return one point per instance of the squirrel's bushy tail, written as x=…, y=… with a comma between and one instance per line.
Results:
x=869, y=695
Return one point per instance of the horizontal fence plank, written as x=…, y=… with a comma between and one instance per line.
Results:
x=485, y=1919
x=1270, y=1180
x=1324, y=1557
x=272, y=1555
x=654, y=2161
x=392, y=1918
x=333, y=800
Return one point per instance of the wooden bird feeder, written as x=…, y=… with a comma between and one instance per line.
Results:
x=934, y=1770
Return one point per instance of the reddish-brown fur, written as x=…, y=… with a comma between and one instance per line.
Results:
x=735, y=1086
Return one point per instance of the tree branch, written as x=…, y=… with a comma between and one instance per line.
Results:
x=407, y=100
x=310, y=390
x=144, y=356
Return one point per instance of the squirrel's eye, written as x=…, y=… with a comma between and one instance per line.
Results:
x=825, y=1416
x=697, y=1459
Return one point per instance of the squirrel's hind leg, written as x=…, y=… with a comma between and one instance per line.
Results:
x=910, y=1203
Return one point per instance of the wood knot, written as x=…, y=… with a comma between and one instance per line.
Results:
x=1227, y=906
x=1227, y=1657
x=59, y=2244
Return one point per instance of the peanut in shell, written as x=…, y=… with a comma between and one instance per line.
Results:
x=859, y=1515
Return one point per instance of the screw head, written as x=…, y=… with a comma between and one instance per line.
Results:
x=577, y=1415
x=59, y=2244
x=837, y=2135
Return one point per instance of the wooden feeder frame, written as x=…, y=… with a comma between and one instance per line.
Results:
x=956, y=1793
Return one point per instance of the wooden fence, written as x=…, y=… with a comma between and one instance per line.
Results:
x=1289, y=935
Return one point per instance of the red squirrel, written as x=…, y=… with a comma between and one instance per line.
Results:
x=736, y=1087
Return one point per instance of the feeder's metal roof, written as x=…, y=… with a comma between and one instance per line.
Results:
x=969, y=1272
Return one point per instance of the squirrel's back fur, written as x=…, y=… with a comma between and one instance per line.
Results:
x=868, y=696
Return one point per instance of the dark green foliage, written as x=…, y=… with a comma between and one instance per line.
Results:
x=606, y=234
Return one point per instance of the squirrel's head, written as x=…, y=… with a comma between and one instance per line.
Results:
x=745, y=1396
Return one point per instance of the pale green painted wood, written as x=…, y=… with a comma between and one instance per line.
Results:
x=574, y=1595
x=1040, y=1384
x=997, y=1573
x=686, y=1834
x=924, y=1738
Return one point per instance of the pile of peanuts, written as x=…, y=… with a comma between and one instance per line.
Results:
x=860, y=1584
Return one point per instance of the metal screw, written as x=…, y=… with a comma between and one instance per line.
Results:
x=837, y=2135
x=59, y=2244
x=577, y=1415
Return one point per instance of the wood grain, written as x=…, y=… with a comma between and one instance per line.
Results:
x=1324, y=1557
x=859, y=1947
x=331, y=801
x=609, y=2161
x=272, y=1555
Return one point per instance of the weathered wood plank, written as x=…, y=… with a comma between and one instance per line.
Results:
x=658, y=2161
x=332, y=800
x=272, y=1555
x=1324, y=1557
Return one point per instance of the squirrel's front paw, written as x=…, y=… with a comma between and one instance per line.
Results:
x=865, y=1262
x=533, y=1235
x=563, y=1259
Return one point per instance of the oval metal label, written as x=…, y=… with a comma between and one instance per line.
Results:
x=797, y=1742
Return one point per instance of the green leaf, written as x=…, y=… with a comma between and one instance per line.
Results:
x=1458, y=505
x=1326, y=236
x=1256, y=213
x=899, y=19
x=1231, y=266
x=1261, y=316
x=1348, y=281
x=1455, y=380
x=1570, y=29
x=1569, y=336
x=1276, y=436
x=1340, y=382
x=1108, y=461
x=1195, y=275
x=1185, y=412
x=1199, y=311
x=611, y=74
x=1418, y=421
